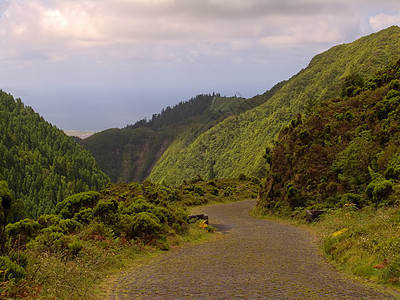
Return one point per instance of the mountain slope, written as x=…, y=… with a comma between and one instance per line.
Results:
x=237, y=144
x=346, y=152
x=129, y=154
x=41, y=164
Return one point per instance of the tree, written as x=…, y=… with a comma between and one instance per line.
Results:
x=5, y=201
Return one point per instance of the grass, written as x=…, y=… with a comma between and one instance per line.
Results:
x=362, y=243
x=89, y=275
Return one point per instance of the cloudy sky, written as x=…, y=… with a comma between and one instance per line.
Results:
x=96, y=64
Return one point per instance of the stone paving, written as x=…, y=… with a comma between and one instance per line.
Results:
x=255, y=259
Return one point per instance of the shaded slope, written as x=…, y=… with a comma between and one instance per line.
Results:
x=237, y=144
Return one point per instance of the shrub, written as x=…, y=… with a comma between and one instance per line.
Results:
x=75, y=247
x=395, y=85
x=351, y=198
x=213, y=191
x=73, y=204
x=84, y=216
x=106, y=211
x=304, y=134
x=242, y=177
x=48, y=220
x=24, y=230
x=198, y=190
x=69, y=225
x=143, y=225
x=138, y=206
x=98, y=231
x=11, y=270
x=393, y=169
x=379, y=189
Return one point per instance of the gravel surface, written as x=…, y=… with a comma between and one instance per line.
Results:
x=255, y=259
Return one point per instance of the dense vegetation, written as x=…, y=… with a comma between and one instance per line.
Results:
x=343, y=159
x=345, y=152
x=61, y=255
x=40, y=163
x=237, y=144
x=129, y=154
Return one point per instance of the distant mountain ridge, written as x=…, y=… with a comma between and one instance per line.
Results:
x=129, y=154
x=225, y=137
x=237, y=144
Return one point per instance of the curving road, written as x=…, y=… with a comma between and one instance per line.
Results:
x=255, y=259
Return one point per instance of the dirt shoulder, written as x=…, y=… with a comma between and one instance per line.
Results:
x=255, y=259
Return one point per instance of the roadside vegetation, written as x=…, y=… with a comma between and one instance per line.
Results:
x=364, y=243
x=343, y=160
x=92, y=234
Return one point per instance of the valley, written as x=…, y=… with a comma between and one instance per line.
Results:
x=77, y=210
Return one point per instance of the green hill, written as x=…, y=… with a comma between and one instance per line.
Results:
x=237, y=144
x=129, y=154
x=40, y=163
x=346, y=152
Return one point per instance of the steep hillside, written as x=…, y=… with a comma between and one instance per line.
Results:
x=129, y=154
x=237, y=144
x=346, y=152
x=40, y=163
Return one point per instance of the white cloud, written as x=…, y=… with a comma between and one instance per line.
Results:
x=64, y=27
x=382, y=21
x=196, y=45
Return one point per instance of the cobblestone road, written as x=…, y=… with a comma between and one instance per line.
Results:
x=255, y=259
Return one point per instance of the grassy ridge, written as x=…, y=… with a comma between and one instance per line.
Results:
x=237, y=144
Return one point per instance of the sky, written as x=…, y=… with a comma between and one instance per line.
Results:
x=97, y=64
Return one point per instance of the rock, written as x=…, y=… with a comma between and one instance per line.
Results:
x=313, y=214
x=196, y=217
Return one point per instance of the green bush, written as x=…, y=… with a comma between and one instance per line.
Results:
x=23, y=230
x=393, y=169
x=395, y=85
x=10, y=270
x=69, y=225
x=304, y=134
x=73, y=204
x=48, y=220
x=106, y=211
x=138, y=206
x=51, y=239
x=379, y=189
x=75, y=247
x=351, y=198
x=213, y=190
x=142, y=225
x=84, y=216
x=242, y=177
